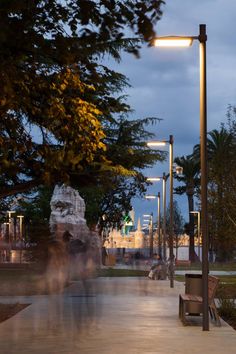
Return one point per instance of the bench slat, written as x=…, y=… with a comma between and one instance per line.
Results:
x=190, y=297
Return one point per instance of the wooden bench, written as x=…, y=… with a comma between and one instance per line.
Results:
x=189, y=298
x=182, y=262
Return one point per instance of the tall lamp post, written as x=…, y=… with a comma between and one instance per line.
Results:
x=10, y=223
x=175, y=41
x=150, y=216
x=164, y=214
x=198, y=230
x=158, y=197
x=20, y=217
x=163, y=143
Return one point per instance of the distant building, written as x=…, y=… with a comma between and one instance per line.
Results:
x=130, y=239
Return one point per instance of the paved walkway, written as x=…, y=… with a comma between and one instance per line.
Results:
x=119, y=315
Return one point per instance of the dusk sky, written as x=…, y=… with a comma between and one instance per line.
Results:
x=165, y=82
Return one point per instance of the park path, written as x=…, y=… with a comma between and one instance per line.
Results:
x=119, y=315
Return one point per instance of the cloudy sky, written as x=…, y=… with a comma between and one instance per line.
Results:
x=165, y=82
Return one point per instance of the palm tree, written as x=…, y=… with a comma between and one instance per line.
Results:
x=221, y=189
x=190, y=180
x=221, y=150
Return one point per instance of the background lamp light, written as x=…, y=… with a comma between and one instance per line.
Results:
x=153, y=179
x=173, y=41
x=179, y=170
x=156, y=143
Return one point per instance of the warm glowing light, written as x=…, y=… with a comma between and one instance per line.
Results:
x=11, y=212
x=179, y=170
x=153, y=179
x=173, y=42
x=156, y=143
x=150, y=196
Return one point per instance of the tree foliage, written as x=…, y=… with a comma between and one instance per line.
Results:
x=178, y=224
x=56, y=97
x=221, y=191
x=111, y=194
x=221, y=147
x=190, y=180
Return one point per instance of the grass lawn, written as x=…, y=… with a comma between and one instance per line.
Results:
x=22, y=282
x=229, y=266
x=112, y=272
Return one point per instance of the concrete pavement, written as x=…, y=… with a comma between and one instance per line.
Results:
x=117, y=315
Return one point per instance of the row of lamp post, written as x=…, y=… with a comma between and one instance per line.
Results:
x=9, y=225
x=171, y=236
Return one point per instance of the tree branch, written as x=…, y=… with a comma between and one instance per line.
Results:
x=19, y=188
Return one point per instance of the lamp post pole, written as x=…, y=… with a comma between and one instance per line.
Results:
x=164, y=214
x=21, y=226
x=151, y=235
x=159, y=224
x=203, y=155
x=10, y=227
x=198, y=230
x=198, y=234
x=171, y=142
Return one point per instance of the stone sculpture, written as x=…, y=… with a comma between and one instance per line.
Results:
x=72, y=240
x=67, y=220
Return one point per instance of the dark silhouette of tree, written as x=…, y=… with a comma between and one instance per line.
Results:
x=190, y=180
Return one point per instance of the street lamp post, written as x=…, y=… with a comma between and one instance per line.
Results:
x=164, y=215
x=171, y=41
x=158, y=197
x=159, y=224
x=198, y=230
x=21, y=217
x=171, y=269
x=10, y=223
x=150, y=233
